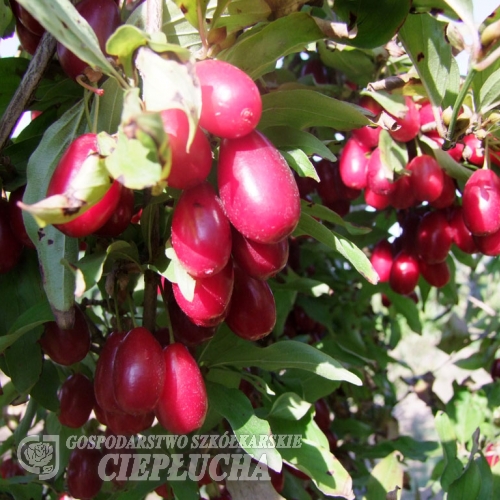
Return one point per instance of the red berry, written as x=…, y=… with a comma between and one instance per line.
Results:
x=252, y=312
x=82, y=149
x=403, y=195
x=182, y=406
x=10, y=246
x=127, y=424
x=257, y=189
x=381, y=259
x=67, y=346
x=138, y=372
x=353, y=164
x=481, y=203
x=16, y=218
x=474, y=150
x=427, y=178
x=211, y=298
x=26, y=19
x=231, y=103
x=404, y=273
x=434, y=237
x=322, y=415
x=317, y=69
x=82, y=473
x=10, y=468
x=462, y=237
x=489, y=244
x=437, y=275
x=121, y=217
x=495, y=369
x=77, y=399
x=448, y=194
x=409, y=123
x=331, y=188
x=201, y=233
x=188, y=168
x=377, y=201
x=377, y=175
x=28, y=40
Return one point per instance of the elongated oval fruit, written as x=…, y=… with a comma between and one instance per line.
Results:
x=353, y=164
x=252, y=312
x=211, y=297
x=434, y=237
x=481, y=203
x=462, y=237
x=231, y=104
x=128, y=424
x=66, y=346
x=201, y=233
x=10, y=246
x=121, y=217
x=376, y=175
x=381, y=259
x=103, y=386
x=82, y=149
x=82, y=473
x=183, y=404
x=138, y=372
x=409, y=123
x=188, y=168
x=404, y=273
x=257, y=188
x=103, y=17
x=16, y=218
x=427, y=178
x=259, y=260
x=437, y=275
x=76, y=397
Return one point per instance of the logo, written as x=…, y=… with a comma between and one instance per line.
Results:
x=39, y=455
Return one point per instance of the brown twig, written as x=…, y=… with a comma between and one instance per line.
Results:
x=26, y=89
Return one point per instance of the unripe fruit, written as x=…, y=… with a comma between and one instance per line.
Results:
x=103, y=386
x=10, y=246
x=182, y=406
x=481, y=203
x=252, y=312
x=376, y=175
x=409, y=124
x=82, y=474
x=434, y=237
x=16, y=218
x=103, y=17
x=231, y=103
x=188, y=168
x=404, y=273
x=381, y=259
x=427, y=178
x=76, y=397
x=138, y=372
x=353, y=164
x=259, y=260
x=211, y=298
x=201, y=233
x=437, y=275
x=83, y=148
x=67, y=346
x=257, y=188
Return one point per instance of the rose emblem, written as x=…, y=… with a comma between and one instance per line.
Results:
x=39, y=454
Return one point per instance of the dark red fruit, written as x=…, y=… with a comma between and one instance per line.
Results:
x=481, y=203
x=231, y=103
x=427, y=178
x=489, y=244
x=77, y=399
x=188, y=168
x=257, y=188
x=201, y=233
x=26, y=19
x=10, y=246
x=381, y=259
x=462, y=237
x=10, y=468
x=448, y=194
x=127, y=424
x=121, y=217
x=403, y=196
x=437, y=275
x=368, y=136
x=317, y=69
x=353, y=164
x=377, y=201
x=252, y=311
x=377, y=175
x=165, y=491
x=82, y=474
x=474, y=150
x=277, y=480
x=182, y=406
x=492, y=454
x=211, y=298
x=16, y=218
x=259, y=260
x=103, y=386
x=138, y=372
x=404, y=273
x=322, y=415
x=409, y=123
x=331, y=188
x=28, y=40
x=434, y=237
x=67, y=346
x=185, y=331
x=495, y=369
x=103, y=17
x=82, y=149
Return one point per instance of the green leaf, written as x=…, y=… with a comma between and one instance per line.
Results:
x=375, y=22
x=243, y=13
x=433, y=5
x=386, y=476
x=68, y=27
x=310, y=226
x=453, y=467
x=5, y=19
x=468, y=485
x=235, y=407
x=490, y=91
x=286, y=137
x=307, y=108
x=298, y=160
x=267, y=44
x=486, y=473
x=88, y=271
x=191, y=9
x=289, y=406
x=52, y=245
x=228, y=349
x=392, y=103
x=109, y=107
x=393, y=154
x=12, y=70
x=424, y=39
x=45, y=390
x=27, y=321
x=406, y=307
